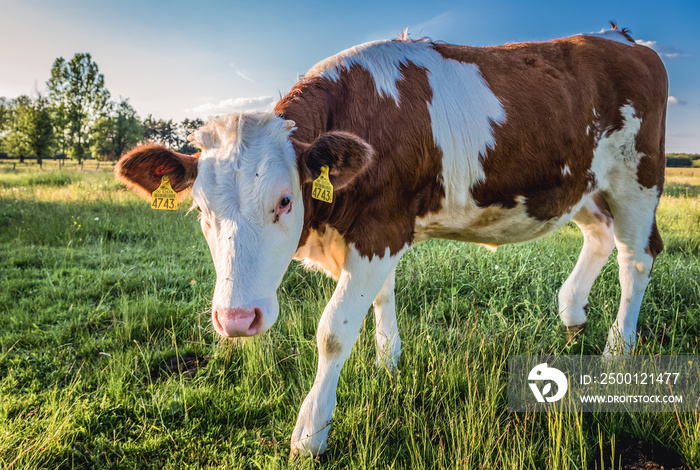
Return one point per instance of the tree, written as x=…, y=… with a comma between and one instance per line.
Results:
x=5, y=106
x=187, y=127
x=77, y=88
x=40, y=134
x=161, y=131
x=16, y=141
x=29, y=131
x=5, y=114
x=117, y=132
x=59, y=117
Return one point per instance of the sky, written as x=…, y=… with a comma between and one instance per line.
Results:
x=183, y=59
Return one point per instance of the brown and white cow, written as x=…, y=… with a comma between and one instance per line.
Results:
x=487, y=145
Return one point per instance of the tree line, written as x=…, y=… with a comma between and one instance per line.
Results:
x=76, y=118
x=682, y=160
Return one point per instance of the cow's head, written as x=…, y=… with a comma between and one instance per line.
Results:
x=246, y=183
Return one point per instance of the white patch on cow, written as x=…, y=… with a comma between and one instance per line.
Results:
x=612, y=35
x=566, y=171
x=382, y=59
x=616, y=151
x=463, y=109
x=462, y=112
x=247, y=165
x=615, y=162
x=588, y=130
x=360, y=282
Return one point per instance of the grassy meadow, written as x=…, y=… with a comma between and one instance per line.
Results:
x=108, y=358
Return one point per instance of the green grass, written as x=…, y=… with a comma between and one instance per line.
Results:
x=108, y=358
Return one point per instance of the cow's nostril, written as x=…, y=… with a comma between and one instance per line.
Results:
x=257, y=322
x=217, y=324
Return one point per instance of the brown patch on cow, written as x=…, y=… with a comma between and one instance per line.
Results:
x=547, y=131
x=655, y=244
x=324, y=250
x=604, y=215
x=143, y=167
x=403, y=180
x=646, y=174
x=651, y=143
x=331, y=345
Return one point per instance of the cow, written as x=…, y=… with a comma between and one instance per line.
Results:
x=422, y=139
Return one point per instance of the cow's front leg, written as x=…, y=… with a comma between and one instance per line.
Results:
x=338, y=329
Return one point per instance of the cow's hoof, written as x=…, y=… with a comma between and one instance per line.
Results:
x=307, y=444
x=572, y=331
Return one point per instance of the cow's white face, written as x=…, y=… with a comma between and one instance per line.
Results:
x=248, y=192
x=247, y=185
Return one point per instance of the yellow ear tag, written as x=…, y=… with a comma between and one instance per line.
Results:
x=164, y=198
x=322, y=188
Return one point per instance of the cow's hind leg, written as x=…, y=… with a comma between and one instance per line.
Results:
x=638, y=242
x=387, y=333
x=632, y=186
x=596, y=222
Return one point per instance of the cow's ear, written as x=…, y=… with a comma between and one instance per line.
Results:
x=345, y=154
x=143, y=168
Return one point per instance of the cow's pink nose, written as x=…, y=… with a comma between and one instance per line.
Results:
x=237, y=321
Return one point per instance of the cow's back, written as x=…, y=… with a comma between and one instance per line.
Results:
x=490, y=145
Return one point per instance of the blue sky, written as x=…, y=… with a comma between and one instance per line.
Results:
x=177, y=59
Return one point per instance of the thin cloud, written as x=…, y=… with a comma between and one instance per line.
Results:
x=241, y=74
x=675, y=101
x=664, y=50
x=244, y=76
x=232, y=105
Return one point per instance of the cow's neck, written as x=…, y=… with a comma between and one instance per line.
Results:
x=310, y=105
x=376, y=212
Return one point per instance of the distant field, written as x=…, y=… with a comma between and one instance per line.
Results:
x=683, y=181
x=108, y=358
x=49, y=164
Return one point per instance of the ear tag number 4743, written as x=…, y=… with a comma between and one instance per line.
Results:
x=164, y=198
x=322, y=188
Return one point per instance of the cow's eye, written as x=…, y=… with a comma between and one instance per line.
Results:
x=284, y=206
